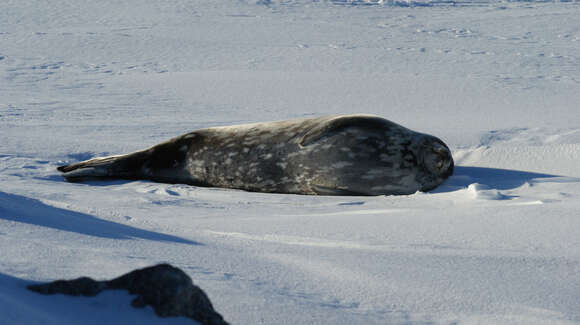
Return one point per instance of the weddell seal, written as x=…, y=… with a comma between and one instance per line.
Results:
x=333, y=155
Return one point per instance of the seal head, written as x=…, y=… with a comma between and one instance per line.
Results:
x=436, y=162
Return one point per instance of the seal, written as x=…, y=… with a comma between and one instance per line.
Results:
x=332, y=155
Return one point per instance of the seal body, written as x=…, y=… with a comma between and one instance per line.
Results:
x=334, y=155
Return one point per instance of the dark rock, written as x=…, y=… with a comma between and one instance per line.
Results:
x=166, y=288
x=79, y=287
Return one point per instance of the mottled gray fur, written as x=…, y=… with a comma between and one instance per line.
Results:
x=334, y=155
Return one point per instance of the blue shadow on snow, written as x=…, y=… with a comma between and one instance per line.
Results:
x=26, y=210
x=499, y=179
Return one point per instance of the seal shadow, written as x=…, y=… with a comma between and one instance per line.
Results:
x=103, y=181
x=31, y=211
x=493, y=178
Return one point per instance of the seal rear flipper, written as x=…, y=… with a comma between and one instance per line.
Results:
x=123, y=166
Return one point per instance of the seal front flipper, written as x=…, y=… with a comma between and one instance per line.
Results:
x=325, y=190
x=337, y=124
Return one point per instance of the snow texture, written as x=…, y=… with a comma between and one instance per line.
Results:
x=498, y=81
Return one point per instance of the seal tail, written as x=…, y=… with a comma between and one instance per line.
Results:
x=122, y=166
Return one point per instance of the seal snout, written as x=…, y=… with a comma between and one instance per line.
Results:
x=438, y=159
x=443, y=160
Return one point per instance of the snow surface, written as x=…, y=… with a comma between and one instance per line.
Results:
x=499, y=82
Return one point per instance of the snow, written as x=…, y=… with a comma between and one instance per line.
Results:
x=498, y=81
